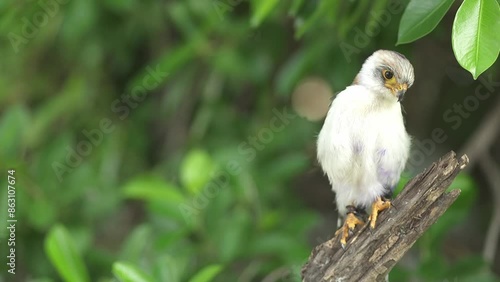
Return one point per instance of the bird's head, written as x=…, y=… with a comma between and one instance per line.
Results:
x=387, y=73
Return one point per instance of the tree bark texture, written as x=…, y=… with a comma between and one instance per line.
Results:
x=371, y=254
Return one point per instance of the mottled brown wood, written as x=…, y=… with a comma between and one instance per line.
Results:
x=371, y=254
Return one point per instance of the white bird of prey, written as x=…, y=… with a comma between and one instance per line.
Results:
x=363, y=145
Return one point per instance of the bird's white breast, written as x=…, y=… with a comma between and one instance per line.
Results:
x=363, y=146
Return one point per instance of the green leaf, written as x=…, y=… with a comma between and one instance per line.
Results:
x=196, y=170
x=420, y=18
x=154, y=189
x=206, y=274
x=475, y=37
x=61, y=251
x=134, y=247
x=230, y=241
x=174, y=212
x=261, y=10
x=127, y=272
x=171, y=269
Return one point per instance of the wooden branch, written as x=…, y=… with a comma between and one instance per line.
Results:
x=371, y=254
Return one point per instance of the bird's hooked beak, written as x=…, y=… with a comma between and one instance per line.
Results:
x=400, y=91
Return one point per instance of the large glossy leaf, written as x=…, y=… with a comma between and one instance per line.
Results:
x=62, y=252
x=420, y=18
x=127, y=272
x=475, y=35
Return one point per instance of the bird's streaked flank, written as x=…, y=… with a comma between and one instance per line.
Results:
x=363, y=145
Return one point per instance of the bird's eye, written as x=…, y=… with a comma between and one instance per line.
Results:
x=388, y=74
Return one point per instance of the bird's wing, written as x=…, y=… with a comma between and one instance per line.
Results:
x=392, y=159
x=388, y=173
x=338, y=139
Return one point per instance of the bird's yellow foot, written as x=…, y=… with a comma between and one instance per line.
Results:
x=349, y=224
x=378, y=206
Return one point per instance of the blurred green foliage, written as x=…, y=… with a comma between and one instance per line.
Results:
x=172, y=187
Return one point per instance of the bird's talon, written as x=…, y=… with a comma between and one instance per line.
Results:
x=378, y=206
x=338, y=231
x=350, y=224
